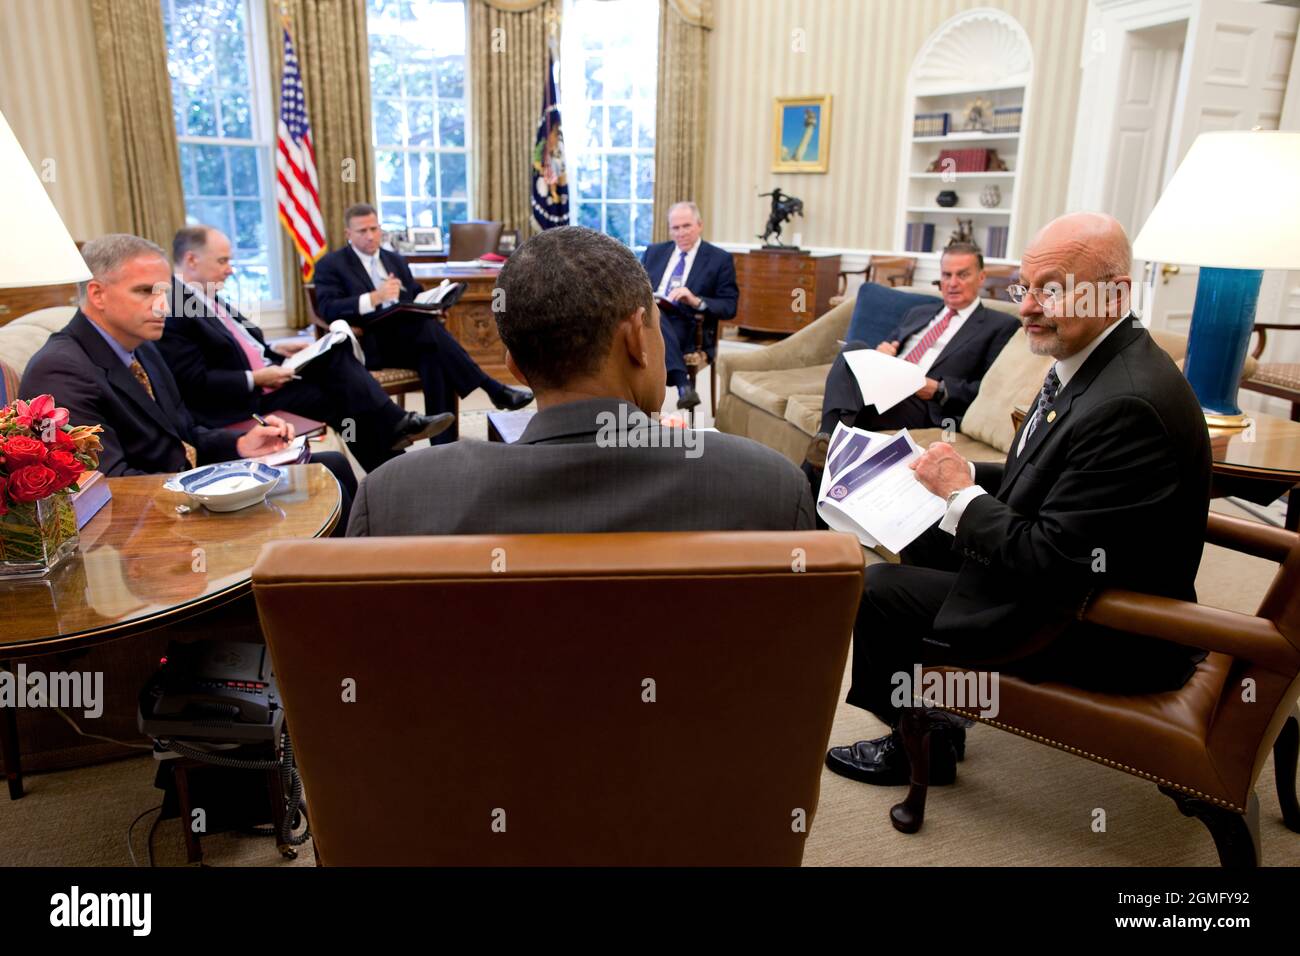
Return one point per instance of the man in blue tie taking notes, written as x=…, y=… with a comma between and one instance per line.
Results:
x=699, y=279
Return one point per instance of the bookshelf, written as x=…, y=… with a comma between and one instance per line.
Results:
x=980, y=55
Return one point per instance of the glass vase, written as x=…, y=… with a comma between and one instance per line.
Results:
x=35, y=537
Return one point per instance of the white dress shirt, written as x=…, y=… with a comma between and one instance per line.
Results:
x=238, y=326
x=1066, y=369
x=932, y=355
x=686, y=273
x=364, y=304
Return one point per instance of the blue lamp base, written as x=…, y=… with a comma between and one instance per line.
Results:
x=1222, y=320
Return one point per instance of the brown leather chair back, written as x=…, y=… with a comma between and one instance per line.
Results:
x=472, y=239
x=561, y=699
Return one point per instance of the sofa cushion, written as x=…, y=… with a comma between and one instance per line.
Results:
x=879, y=309
x=804, y=412
x=969, y=448
x=770, y=390
x=23, y=337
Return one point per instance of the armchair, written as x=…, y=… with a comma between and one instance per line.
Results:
x=886, y=270
x=1203, y=744
x=1279, y=379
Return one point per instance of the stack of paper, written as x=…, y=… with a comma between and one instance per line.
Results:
x=868, y=489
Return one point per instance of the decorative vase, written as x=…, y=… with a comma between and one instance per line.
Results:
x=947, y=199
x=35, y=537
x=991, y=196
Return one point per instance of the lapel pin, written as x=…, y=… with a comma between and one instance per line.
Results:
x=1051, y=416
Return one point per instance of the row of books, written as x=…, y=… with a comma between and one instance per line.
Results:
x=995, y=246
x=930, y=124
x=919, y=237
x=973, y=160
x=1005, y=119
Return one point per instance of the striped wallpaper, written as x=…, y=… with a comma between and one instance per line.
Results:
x=861, y=51
x=51, y=96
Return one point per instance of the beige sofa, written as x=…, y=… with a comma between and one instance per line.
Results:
x=774, y=395
x=23, y=337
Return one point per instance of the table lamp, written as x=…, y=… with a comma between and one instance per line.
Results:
x=1233, y=209
x=39, y=251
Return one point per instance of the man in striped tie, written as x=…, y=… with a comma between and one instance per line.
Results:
x=954, y=345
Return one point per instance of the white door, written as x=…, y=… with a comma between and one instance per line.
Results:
x=1234, y=77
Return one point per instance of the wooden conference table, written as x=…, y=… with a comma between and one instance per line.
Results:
x=142, y=564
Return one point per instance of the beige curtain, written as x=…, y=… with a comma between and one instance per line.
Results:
x=329, y=37
x=144, y=159
x=681, y=105
x=508, y=42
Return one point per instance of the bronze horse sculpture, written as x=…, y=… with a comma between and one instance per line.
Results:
x=784, y=208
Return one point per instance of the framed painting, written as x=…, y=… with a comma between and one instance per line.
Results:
x=801, y=134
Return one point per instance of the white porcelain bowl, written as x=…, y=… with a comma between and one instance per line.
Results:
x=227, y=486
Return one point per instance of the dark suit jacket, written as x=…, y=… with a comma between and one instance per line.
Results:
x=341, y=280
x=1112, y=492
x=141, y=436
x=558, y=478
x=712, y=278
x=207, y=363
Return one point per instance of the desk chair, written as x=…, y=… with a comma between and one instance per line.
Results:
x=1203, y=744
x=472, y=239
x=885, y=270
x=550, y=712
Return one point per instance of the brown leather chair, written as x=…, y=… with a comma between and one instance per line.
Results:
x=892, y=271
x=1203, y=744
x=997, y=279
x=474, y=238
x=548, y=710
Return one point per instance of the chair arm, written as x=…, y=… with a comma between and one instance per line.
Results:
x=1243, y=636
x=815, y=344
x=1250, y=537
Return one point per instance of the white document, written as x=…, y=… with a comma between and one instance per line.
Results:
x=291, y=454
x=340, y=333
x=876, y=495
x=884, y=380
x=435, y=295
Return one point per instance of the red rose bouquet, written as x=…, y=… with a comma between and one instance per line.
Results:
x=41, y=458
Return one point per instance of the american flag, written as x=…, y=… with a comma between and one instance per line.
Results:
x=297, y=194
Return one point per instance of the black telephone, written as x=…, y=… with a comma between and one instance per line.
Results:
x=213, y=691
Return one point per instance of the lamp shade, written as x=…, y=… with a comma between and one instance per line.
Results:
x=35, y=249
x=1234, y=203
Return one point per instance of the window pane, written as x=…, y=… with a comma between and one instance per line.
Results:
x=392, y=173
x=383, y=68
x=589, y=216
x=189, y=180
x=423, y=173
x=418, y=73
x=425, y=213
x=620, y=126
x=392, y=215
x=454, y=178
x=244, y=178
x=419, y=122
x=249, y=234
x=210, y=164
x=645, y=176
x=388, y=122
x=645, y=136
x=236, y=115
x=589, y=177
x=595, y=128
x=454, y=212
x=618, y=221
x=451, y=122
x=618, y=177
x=209, y=212
x=232, y=54
x=644, y=224
x=595, y=72
x=200, y=112
x=451, y=77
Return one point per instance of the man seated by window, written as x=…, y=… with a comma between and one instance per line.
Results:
x=581, y=327
x=104, y=367
x=226, y=372
x=361, y=279
x=699, y=278
x=953, y=345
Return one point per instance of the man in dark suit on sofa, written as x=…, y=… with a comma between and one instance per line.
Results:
x=700, y=280
x=355, y=282
x=106, y=370
x=1107, y=485
x=954, y=345
x=226, y=372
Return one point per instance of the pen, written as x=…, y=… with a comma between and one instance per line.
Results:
x=260, y=420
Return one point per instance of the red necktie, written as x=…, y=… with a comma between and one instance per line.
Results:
x=928, y=340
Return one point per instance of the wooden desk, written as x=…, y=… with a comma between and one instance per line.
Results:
x=142, y=565
x=470, y=321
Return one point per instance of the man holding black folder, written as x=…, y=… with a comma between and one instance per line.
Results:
x=227, y=373
x=361, y=282
x=692, y=279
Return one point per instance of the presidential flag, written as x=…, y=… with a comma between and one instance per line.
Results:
x=296, y=191
x=550, y=184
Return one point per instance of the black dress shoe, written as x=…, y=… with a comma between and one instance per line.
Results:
x=511, y=399
x=416, y=427
x=883, y=762
x=687, y=398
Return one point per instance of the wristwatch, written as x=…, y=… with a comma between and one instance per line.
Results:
x=952, y=497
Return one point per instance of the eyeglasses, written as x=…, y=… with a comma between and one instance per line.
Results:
x=1047, y=301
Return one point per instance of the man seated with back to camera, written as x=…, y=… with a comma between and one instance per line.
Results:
x=104, y=367
x=582, y=329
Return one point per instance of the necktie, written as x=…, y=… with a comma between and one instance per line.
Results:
x=376, y=273
x=248, y=345
x=930, y=337
x=142, y=377
x=678, y=278
x=1051, y=385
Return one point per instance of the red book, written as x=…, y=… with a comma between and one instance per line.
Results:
x=301, y=426
x=94, y=494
